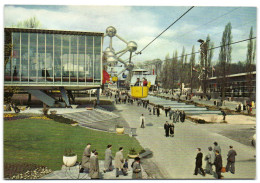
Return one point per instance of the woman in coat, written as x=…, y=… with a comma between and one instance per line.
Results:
x=94, y=167
x=108, y=159
x=171, y=129
x=137, y=171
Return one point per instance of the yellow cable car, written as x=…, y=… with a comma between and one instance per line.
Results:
x=139, y=91
x=114, y=78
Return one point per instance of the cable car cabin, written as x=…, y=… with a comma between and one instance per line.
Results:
x=137, y=89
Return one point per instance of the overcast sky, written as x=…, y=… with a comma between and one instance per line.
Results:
x=143, y=23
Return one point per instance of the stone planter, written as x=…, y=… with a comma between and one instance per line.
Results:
x=22, y=107
x=89, y=108
x=132, y=156
x=53, y=112
x=120, y=130
x=69, y=161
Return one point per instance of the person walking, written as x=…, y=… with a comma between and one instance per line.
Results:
x=182, y=116
x=137, y=171
x=153, y=110
x=218, y=164
x=94, y=167
x=119, y=162
x=142, y=120
x=170, y=114
x=158, y=111
x=198, y=164
x=166, y=128
x=172, y=130
x=166, y=109
x=231, y=160
x=217, y=147
x=210, y=159
x=85, y=158
x=108, y=159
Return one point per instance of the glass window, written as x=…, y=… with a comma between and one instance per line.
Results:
x=90, y=58
x=73, y=59
x=33, y=57
x=24, y=53
x=49, y=57
x=16, y=57
x=57, y=58
x=81, y=58
x=97, y=51
x=65, y=58
x=41, y=58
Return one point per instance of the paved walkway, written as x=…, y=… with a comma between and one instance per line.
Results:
x=73, y=173
x=228, y=104
x=175, y=156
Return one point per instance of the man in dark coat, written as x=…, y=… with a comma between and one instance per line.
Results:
x=199, y=163
x=158, y=111
x=153, y=110
x=231, y=160
x=166, y=128
x=218, y=164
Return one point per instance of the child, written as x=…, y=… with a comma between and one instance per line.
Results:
x=125, y=166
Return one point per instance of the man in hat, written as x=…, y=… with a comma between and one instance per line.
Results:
x=166, y=128
x=199, y=163
x=94, y=166
x=218, y=164
x=85, y=158
x=231, y=160
x=210, y=158
x=217, y=147
x=108, y=159
x=119, y=162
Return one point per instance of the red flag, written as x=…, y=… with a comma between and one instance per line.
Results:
x=153, y=71
x=105, y=77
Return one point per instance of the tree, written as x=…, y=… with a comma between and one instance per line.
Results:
x=250, y=59
x=192, y=64
x=31, y=23
x=225, y=58
x=182, y=70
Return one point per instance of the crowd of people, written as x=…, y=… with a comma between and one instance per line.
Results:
x=214, y=158
x=90, y=163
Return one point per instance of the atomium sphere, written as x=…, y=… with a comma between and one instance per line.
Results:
x=130, y=66
x=111, y=59
x=109, y=49
x=111, y=31
x=132, y=46
x=110, y=54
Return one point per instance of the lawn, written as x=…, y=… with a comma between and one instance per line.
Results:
x=43, y=142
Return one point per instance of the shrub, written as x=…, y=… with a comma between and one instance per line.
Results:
x=24, y=171
x=69, y=152
x=61, y=119
x=132, y=151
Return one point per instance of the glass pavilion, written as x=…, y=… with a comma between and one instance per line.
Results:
x=53, y=58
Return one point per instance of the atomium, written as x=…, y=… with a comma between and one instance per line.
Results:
x=111, y=31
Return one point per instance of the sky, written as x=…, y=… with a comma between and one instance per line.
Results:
x=143, y=23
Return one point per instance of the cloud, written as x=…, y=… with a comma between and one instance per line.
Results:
x=141, y=25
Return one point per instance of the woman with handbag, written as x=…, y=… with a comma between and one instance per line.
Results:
x=137, y=171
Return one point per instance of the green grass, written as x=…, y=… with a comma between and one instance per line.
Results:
x=43, y=142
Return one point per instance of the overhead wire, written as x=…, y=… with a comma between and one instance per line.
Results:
x=165, y=30
x=216, y=47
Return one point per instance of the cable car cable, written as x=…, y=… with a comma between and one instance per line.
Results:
x=140, y=52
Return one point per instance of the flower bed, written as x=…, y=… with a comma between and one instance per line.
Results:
x=14, y=116
x=40, y=117
x=24, y=171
